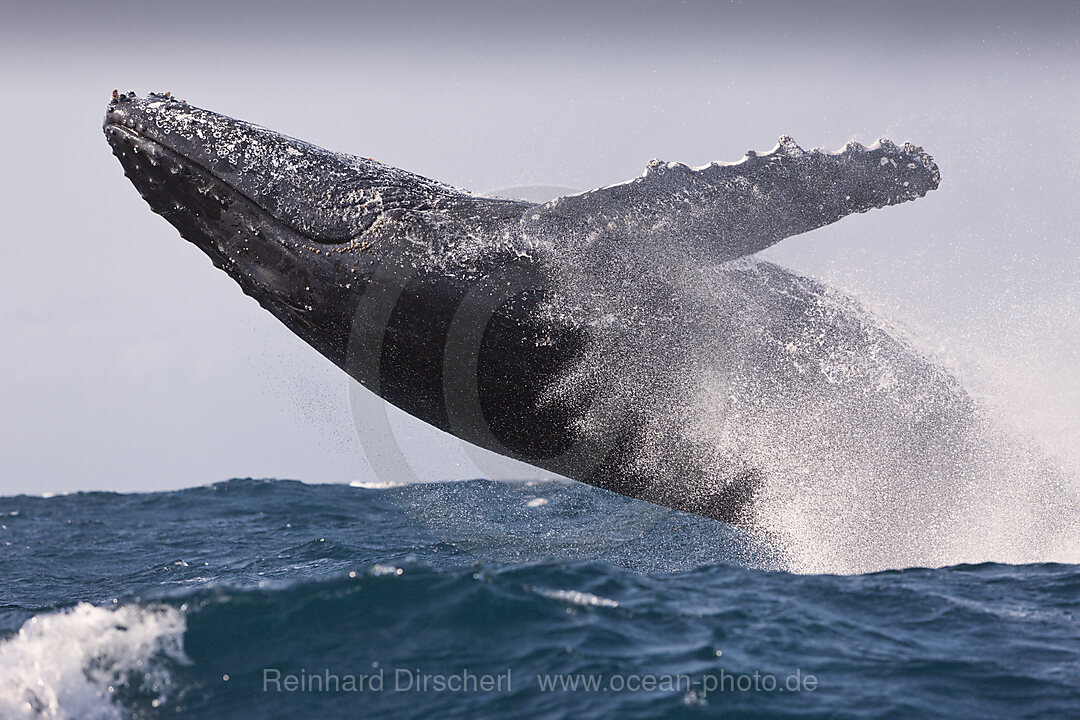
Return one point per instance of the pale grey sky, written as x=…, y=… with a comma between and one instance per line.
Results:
x=131, y=363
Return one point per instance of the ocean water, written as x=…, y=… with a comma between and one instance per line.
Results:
x=478, y=599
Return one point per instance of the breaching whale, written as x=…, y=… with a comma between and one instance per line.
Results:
x=553, y=333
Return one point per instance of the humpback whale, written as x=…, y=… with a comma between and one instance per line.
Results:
x=575, y=335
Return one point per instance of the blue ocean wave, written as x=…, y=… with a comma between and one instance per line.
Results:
x=213, y=601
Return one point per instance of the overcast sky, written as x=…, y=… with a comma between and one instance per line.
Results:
x=131, y=363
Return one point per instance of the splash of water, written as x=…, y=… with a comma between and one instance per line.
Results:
x=872, y=454
x=79, y=663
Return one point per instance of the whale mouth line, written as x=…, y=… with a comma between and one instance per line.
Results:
x=137, y=135
x=219, y=253
x=133, y=134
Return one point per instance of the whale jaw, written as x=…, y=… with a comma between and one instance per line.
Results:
x=287, y=273
x=315, y=193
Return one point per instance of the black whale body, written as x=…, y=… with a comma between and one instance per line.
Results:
x=557, y=334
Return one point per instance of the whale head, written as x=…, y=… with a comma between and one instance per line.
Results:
x=266, y=208
x=298, y=227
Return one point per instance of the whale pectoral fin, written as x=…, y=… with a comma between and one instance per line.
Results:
x=731, y=210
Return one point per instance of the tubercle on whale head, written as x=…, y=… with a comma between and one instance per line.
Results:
x=170, y=154
x=119, y=97
x=323, y=196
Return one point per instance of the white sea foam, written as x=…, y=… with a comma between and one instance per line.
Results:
x=376, y=484
x=844, y=498
x=72, y=664
x=579, y=598
x=378, y=569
